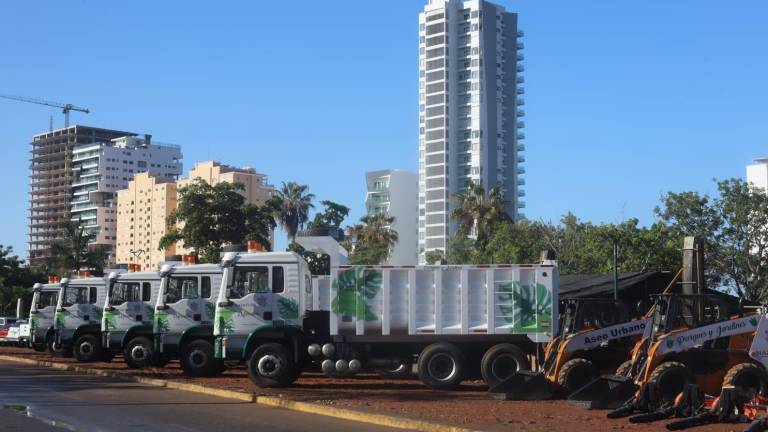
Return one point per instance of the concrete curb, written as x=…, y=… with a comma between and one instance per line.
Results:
x=307, y=407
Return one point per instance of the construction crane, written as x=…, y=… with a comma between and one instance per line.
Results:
x=65, y=108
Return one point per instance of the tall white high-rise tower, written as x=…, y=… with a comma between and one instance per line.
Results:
x=470, y=109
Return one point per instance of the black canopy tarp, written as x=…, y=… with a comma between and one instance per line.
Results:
x=632, y=285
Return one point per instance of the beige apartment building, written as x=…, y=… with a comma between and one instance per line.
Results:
x=141, y=213
x=142, y=209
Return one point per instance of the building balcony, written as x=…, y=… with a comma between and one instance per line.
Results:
x=521, y=204
x=520, y=136
x=89, y=181
x=520, y=148
x=520, y=45
x=520, y=68
x=520, y=159
x=519, y=79
x=85, y=157
x=520, y=113
x=521, y=170
x=520, y=90
x=520, y=33
x=520, y=125
x=520, y=193
x=519, y=101
x=83, y=207
x=520, y=181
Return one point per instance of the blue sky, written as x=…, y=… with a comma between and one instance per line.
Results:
x=624, y=100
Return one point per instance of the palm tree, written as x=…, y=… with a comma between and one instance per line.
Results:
x=290, y=205
x=72, y=251
x=477, y=212
x=373, y=239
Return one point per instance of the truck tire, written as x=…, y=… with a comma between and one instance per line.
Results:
x=748, y=378
x=39, y=347
x=670, y=379
x=442, y=366
x=270, y=365
x=56, y=350
x=87, y=349
x=502, y=361
x=404, y=371
x=198, y=359
x=138, y=353
x=575, y=374
x=623, y=368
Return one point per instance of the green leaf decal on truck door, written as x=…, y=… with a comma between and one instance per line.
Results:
x=288, y=308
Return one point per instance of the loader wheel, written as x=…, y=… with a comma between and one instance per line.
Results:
x=749, y=379
x=87, y=349
x=623, y=368
x=501, y=362
x=198, y=359
x=441, y=366
x=575, y=374
x=271, y=365
x=138, y=353
x=669, y=379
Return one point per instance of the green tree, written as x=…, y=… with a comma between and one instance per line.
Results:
x=434, y=257
x=331, y=217
x=210, y=216
x=373, y=239
x=73, y=251
x=16, y=281
x=290, y=205
x=477, y=213
x=319, y=263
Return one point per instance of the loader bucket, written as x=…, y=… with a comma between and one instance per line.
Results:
x=604, y=392
x=523, y=385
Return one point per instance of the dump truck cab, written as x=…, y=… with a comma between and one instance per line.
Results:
x=184, y=312
x=263, y=295
x=41, y=316
x=126, y=323
x=78, y=317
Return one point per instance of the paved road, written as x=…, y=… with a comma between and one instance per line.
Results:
x=66, y=401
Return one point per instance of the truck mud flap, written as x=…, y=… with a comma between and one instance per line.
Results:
x=604, y=392
x=523, y=385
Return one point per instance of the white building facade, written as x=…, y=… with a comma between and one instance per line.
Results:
x=757, y=173
x=395, y=193
x=101, y=169
x=470, y=110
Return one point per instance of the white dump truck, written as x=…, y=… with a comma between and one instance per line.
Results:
x=79, y=312
x=126, y=324
x=41, y=317
x=453, y=321
x=183, y=324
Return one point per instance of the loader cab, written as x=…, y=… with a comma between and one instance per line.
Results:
x=42, y=313
x=128, y=307
x=591, y=313
x=677, y=311
x=260, y=291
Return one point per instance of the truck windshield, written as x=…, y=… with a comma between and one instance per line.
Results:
x=46, y=299
x=248, y=280
x=122, y=292
x=75, y=295
x=185, y=287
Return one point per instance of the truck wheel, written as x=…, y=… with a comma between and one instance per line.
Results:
x=39, y=347
x=197, y=359
x=575, y=374
x=502, y=361
x=399, y=373
x=270, y=365
x=87, y=349
x=623, y=368
x=441, y=366
x=138, y=353
x=54, y=348
x=748, y=378
x=670, y=379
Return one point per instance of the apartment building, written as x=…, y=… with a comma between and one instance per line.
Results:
x=757, y=173
x=395, y=193
x=143, y=207
x=470, y=110
x=101, y=169
x=51, y=179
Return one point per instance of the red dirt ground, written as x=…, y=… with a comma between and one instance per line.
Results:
x=468, y=407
